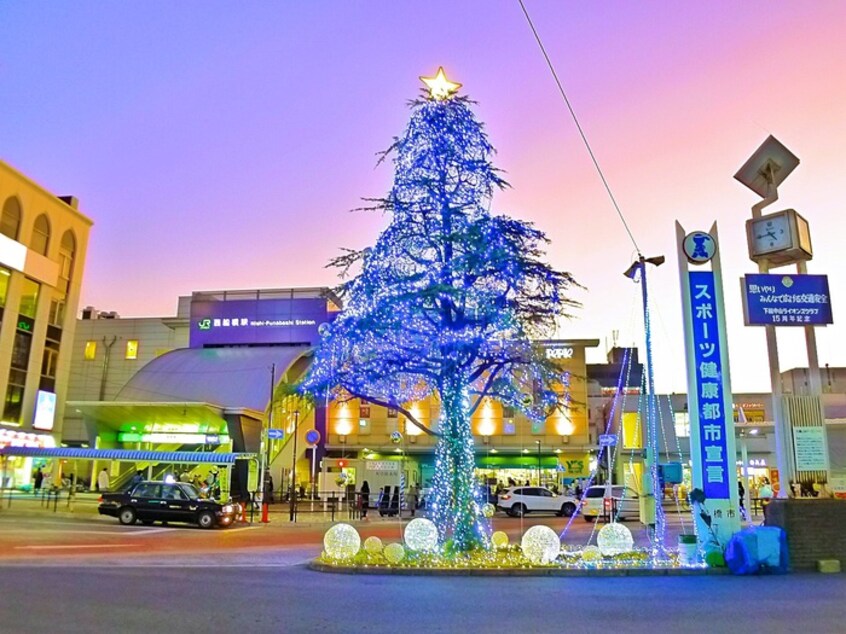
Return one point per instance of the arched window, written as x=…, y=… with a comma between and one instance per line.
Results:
x=41, y=235
x=67, y=252
x=10, y=221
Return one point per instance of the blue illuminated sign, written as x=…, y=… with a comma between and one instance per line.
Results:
x=717, y=469
x=786, y=300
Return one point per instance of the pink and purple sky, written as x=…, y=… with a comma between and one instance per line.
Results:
x=219, y=146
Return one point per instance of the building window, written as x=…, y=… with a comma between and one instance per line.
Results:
x=13, y=407
x=41, y=235
x=508, y=427
x=132, y=349
x=49, y=360
x=682, y=424
x=10, y=221
x=29, y=298
x=57, y=312
x=90, y=350
x=5, y=277
x=20, y=350
x=67, y=251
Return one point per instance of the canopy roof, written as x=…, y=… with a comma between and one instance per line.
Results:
x=226, y=377
x=173, y=457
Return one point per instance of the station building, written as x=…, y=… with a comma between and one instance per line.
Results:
x=43, y=243
x=193, y=392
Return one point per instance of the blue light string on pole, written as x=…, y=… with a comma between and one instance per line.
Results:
x=608, y=426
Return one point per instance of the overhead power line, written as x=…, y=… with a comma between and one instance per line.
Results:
x=578, y=125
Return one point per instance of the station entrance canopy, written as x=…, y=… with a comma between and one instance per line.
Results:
x=129, y=455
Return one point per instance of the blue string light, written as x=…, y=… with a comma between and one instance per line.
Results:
x=446, y=303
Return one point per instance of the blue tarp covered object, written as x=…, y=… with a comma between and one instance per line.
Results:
x=757, y=549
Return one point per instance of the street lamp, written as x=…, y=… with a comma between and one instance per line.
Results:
x=651, y=462
x=292, y=498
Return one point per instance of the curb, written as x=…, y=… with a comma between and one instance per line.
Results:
x=516, y=572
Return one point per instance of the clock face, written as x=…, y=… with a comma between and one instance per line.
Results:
x=771, y=234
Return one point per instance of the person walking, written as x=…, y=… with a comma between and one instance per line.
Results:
x=138, y=477
x=411, y=499
x=103, y=480
x=38, y=481
x=365, y=499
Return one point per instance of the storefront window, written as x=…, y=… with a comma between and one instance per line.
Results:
x=5, y=276
x=29, y=298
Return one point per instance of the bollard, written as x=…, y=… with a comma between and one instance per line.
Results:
x=265, y=508
x=55, y=500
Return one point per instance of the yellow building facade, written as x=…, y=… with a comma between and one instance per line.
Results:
x=509, y=447
x=43, y=242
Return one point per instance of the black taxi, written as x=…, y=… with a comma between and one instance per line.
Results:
x=165, y=502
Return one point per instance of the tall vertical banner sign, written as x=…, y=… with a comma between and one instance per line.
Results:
x=712, y=442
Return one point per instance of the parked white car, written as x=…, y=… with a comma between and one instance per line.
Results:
x=517, y=501
x=625, y=502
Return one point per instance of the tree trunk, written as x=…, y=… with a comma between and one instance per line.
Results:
x=456, y=509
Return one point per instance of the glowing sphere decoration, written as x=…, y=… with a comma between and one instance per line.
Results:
x=614, y=539
x=488, y=510
x=394, y=553
x=540, y=545
x=499, y=539
x=373, y=545
x=591, y=554
x=341, y=541
x=323, y=329
x=421, y=535
x=396, y=437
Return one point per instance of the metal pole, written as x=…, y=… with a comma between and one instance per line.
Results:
x=265, y=439
x=292, y=498
x=652, y=435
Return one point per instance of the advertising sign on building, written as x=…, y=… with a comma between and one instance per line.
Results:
x=256, y=322
x=45, y=410
x=786, y=300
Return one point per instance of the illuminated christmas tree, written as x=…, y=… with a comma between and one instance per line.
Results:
x=447, y=303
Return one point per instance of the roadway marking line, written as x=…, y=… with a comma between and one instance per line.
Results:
x=141, y=532
x=242, y=528
x=66, y=546
x=113, y=566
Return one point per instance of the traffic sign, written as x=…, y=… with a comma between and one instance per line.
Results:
x=276, y=434
x=608, y=440
x=312, y=437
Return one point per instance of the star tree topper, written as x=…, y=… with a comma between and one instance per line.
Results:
x=439, y=86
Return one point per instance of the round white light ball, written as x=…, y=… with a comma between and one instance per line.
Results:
x=394, y=553
x=614, y=539
x=373, y=545
x=421, y=535
x=591, y=553
x=488, y=510
x=396, y=437
x=341, y=541
x=540, y=545
x=499, y=539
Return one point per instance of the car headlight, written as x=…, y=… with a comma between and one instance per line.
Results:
x=228, y=508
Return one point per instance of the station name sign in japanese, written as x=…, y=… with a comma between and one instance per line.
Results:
x=717, y=468
x=786, y=300
x=251, y=322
